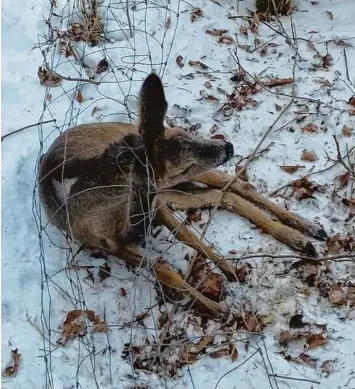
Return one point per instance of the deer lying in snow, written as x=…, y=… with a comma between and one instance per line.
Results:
x=105, y=183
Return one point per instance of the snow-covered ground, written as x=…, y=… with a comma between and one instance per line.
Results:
x=38, y=287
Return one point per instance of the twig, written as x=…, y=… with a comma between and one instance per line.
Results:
x=294, y=379
x=288, y=39
x=77, y=79
x=340, y=158
x=338, y=257
x=346, y=65
x=24, y=128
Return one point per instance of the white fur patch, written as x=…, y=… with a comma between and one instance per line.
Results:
x=62, y=188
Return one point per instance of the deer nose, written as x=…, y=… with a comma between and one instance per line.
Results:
x=229, y=151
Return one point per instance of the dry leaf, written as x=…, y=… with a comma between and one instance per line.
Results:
x=233, y=352
x=179, y=60
x=79, y=97
x=225, y=39
x=263, y=51
x=212, y=286
x=343, y=180
x=352, y=101
x=347, y=131
x=123, y=292
x=337, y=295
x=74, y=325
x=198, y=63
x=308, y=156
x=330, y=15
x=310, y=128
x=279, y=82
x=195, y=14
x=94, y=110
x=207, y=84
x=11, y=371
x=217, y=32
x=278, y=107
x=312, y=340
x=326, y=367
x=102, y=66
x=315, y=340
x=291, y=168
x=48, y=77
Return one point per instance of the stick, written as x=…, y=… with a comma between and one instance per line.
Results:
x=24, y=128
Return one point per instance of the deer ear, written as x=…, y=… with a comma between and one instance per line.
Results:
x=153, y=107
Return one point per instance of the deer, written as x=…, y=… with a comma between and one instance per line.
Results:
x=106, y=184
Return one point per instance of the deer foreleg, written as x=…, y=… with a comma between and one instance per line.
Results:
x=202, y=198
x=219, y=180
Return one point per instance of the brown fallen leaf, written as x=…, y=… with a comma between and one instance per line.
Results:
x=94, y=110
x=326, y=367
x=198, y=63
x=212, y=286
x=291, y=168
x=352, y=101
x=343, y=179
x=310, y=127
x=308, y=156
x=347, y=131
x=123, y=292
x=79, y=97
x=225, y=39
x=351, y=112
x=102, y=66
x=337, y=295
x=11, y=370
x=312, y=340
x=233, y=352
x=263, y=51
x=279, y=82
x=74, y=325
x=47, y=77
x=196, y=13
x=315, y=340
x=324, y=63
x=179, y=60
x=216, y=31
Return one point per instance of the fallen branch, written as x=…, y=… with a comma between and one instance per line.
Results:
x=24, y=128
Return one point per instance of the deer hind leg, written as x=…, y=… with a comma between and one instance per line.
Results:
x=169, y=277
x=203, y=198
x=219, y=180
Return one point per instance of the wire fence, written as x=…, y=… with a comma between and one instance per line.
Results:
x=104, y=49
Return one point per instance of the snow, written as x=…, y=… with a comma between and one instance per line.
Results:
x=271, y=290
